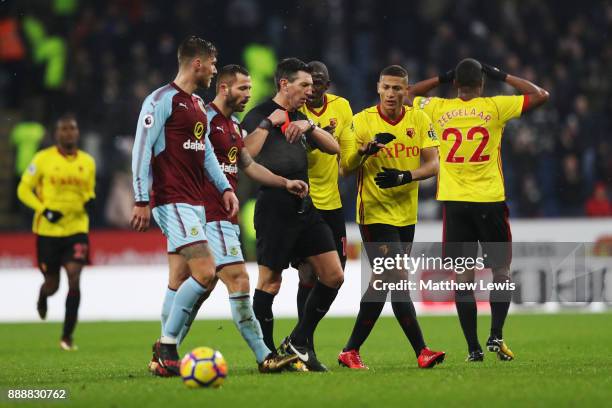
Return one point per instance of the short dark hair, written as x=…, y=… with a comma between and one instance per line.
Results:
x=228, y=74
x=65, y=117
x=468, y=73
x=288, y=69
x=395, y=70
x=194, y=46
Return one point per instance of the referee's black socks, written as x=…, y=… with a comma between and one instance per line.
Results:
x=318, y=303
x=262, y=307
x=303, y=292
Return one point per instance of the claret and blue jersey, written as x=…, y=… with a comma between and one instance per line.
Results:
x=172, y=146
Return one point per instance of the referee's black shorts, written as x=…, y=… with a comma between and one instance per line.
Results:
x=53, y=252
x=335, y=220
x=284, y=232
x=465, y=224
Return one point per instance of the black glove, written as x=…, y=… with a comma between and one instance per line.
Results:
x=90, y=207
x=493, y=72
x=446, y=77
x=52, y=215
x=382, y=138
x=392, y=178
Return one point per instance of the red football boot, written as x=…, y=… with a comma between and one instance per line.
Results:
x=429, y=358
x=351, y=359
x=168, y=360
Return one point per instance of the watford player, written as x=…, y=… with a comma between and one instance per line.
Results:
x=398, y=148
x=59, y=186
x=332, y=113
x=471, y=183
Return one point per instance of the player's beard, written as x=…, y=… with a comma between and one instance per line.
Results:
x=234, y=103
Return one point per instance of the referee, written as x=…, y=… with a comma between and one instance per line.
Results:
x=288, y=227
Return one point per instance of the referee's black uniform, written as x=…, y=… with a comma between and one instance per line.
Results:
x=287, y=227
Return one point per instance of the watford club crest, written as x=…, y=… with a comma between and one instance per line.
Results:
x=410, y=132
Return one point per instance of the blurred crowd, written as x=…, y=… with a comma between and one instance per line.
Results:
x=556, y=160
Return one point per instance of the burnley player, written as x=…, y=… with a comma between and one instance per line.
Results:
x=471, y=184
x=332, y=113
x=387, y=201
x=172, y=142
x=222, y=230
x=288, y=227
x=59, y=186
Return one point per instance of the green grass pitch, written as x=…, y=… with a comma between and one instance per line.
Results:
x=562, y=360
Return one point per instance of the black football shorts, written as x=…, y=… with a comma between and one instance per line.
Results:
x=287, y=229
x=465, y=224
x=53, y=252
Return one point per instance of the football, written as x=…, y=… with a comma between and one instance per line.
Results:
x=203, y=367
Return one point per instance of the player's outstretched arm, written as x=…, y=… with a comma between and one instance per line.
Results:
x=537, y=96
x=264, y=176
x=421, y=88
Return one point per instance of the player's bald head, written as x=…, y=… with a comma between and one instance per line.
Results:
x=468, y=73
x=320, y=69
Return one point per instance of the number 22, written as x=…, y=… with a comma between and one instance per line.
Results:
x=477, y=157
